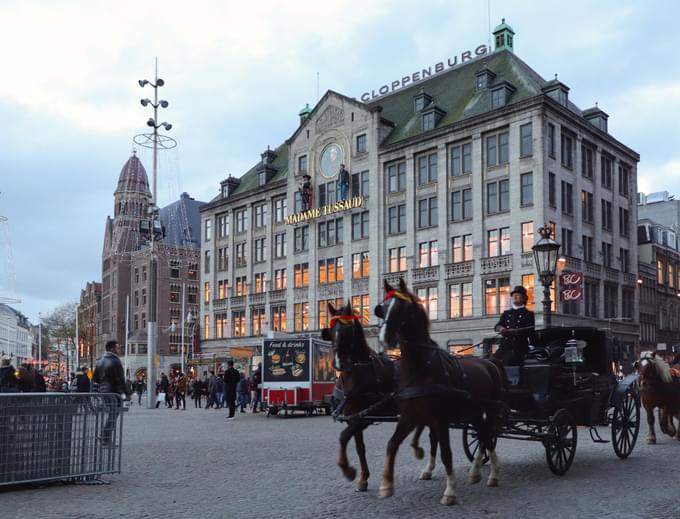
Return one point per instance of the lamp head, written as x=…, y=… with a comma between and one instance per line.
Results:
x=167, y=126
x=160, y=82
x=144, y=102
x=163, y=103
x=143, y=82
x=151, y=122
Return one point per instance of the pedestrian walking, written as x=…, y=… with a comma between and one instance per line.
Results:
x=231, y=380
x=82, y=381
x=170, y=395
x=180, y=391
x=197, y=392
x=108, y=373
x=256, y=384
x=164, y=388
x=243, y=392
x=219, y=390
x=140, y=387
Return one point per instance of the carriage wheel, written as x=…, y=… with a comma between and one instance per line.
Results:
x=626, y=424
x=471, y=444
x=560, y=442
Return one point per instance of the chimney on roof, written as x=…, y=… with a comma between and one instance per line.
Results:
x=229, y=185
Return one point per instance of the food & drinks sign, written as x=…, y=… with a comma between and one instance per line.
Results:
x=571, y=288
x=286, y=360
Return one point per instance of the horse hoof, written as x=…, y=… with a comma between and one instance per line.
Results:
x=449, y=500
x=350, y=473
x=385, y=492
x=475, y=479
x=425, y=475
x=492, y=482
x=419, y=453
x=362, y=487
x=651, y=441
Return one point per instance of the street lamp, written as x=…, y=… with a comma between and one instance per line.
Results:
x=545, y=257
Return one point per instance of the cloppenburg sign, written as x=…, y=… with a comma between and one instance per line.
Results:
x=324, y=210
x=398, y=84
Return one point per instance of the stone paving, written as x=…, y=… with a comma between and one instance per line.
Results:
x=196, y=464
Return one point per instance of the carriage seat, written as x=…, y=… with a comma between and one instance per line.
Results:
x=512, y=372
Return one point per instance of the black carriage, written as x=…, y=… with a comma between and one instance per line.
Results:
x=567, y=381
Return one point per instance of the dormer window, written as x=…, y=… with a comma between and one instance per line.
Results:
x=431, y=117
x=225, y=191
x=498, y=98
x=597, y=117
x=302, y=164
x=481, y=82
x=261, y=177
x=485, y=78
x=428, y=121
x=421, y=101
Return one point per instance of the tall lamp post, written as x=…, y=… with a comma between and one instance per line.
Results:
x=153, y=140
x=545, y=257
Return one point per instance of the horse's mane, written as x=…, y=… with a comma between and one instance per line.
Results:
x=663, y=370
x=420, y=308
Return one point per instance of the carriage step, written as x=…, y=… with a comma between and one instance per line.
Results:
x=595, y=436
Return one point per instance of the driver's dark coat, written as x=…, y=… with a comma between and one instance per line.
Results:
x=514, y=347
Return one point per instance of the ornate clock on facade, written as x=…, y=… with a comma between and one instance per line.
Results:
x=331, y=158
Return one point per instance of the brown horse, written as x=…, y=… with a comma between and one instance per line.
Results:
x=659, y=390
x=437, y=389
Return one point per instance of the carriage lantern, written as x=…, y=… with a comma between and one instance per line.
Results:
x=545, y=257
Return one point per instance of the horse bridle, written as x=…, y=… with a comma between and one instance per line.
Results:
x=342, y=321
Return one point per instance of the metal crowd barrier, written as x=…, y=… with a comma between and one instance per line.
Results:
x=57, y=436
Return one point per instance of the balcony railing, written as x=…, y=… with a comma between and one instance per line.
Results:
x=496, y=264
x=393, y=277
x=629, y=279
x=220, y=303
x=593, y=269
x=460, y=269
x=276, y=296
x=572, y=264
x=258, y=298
x=425, y=274
x=238, y=300
x=611, y=274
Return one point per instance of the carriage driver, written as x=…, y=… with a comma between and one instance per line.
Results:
x=516, y=325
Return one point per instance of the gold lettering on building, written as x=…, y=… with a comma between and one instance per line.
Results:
x=325, y=210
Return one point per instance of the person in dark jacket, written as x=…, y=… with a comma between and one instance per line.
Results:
x=82, y=381
x=163, y=387
x=231, y=380
x=108, y=373
x=197, y=392
x=256, y=386
x=8, y=379
x=243, y=393
x=516, y=325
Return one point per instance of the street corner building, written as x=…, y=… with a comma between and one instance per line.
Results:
x=444, y=182
x=124, y=296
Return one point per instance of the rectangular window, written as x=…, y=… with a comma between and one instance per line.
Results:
x=606, y=215
x=360, y=184
x=280, y=245
x=301, y=317
x=240, y=254
x=427, y=169
x=607, y=167
x=301, y=275
x=496, y=295
x=222, y=259
x=497, y=149
x=279, y=279
x=260, y=250
x=551, y=140
x=567, y=150
x=461, y=205
x=193, y=271
x=492, y=198
x=323, y=310
x=238, y=323
x=360, y=226
x=551, y=190
x=396, y=219
x=396, y=177
x=527, y=189
x=607, y=254
x=460, y=159
x=220, y=326
x=257, y=320
x=428, y=298
x=527, y=236
x=591, y=295
x=625, y=259
x=280, y=209
x=587, y=161
x=659, y=272
x=460, y=300
x=498, y=197
x=397, y=259
x=279, y=318
x=222, y=289
x=428, y=121
x=671, y=275
x=624, y=180
x=498, y=242
x=587, y=242
x=360, y=265
x=361, y=143
x=240, y=285
x=528, y=283
x=587, y=206
x=526, y=141
x=627, y=303
x=331, y=270
x=567, y=239
x=624, y=222
x=260, y=213
x=611, y=293
x=206, y=292
x=427, y=212
x=567, y=198
x=427, y=254
x=206, y=262
x=302, y=164
x=301, y=238
x=208, y=230
x=241, y=217
x=330, y=233
x=206, y=327
x=260, y=282
x=498, y=98
x=461, y=248
x=360, y=304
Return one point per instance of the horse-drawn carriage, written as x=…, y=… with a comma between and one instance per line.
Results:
x=567, y=381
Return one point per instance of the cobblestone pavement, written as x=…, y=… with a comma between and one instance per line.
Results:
x=196, y=464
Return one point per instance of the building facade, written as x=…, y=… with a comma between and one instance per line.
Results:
x=444, y=184
x=89, y=315
x=15, y=335
x=659, y=280
x=126, y=280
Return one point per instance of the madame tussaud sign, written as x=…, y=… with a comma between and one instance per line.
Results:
x=324, y=210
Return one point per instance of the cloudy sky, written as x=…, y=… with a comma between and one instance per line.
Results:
x=237, y=73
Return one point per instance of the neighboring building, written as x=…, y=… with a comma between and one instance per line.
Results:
x=15, y=335
x=125, y=270
x=449, y=181
x=661, y=208
x=659, y=281
x=89, y=315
